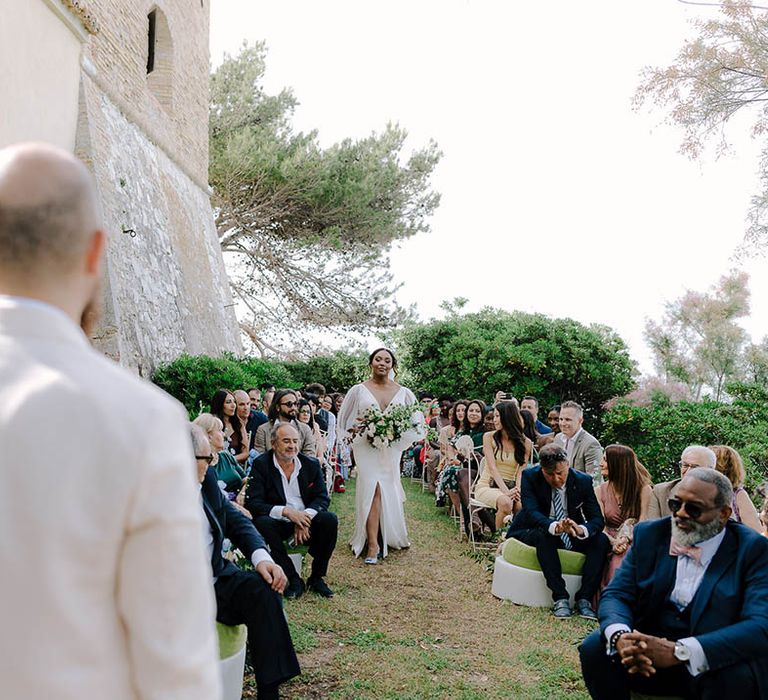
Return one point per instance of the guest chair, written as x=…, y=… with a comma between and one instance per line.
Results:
x=232, y=645
x=517, y=575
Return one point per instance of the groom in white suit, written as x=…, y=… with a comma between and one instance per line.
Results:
x=105, y=581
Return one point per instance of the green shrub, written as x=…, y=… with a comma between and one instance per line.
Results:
x=336, y=371
x=659, y=432
x=193, y=379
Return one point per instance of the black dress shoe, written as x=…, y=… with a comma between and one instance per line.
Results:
x=320, y=587
x=295, y=589
x=586, y=610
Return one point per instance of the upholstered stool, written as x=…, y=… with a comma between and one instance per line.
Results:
x=232, y=659
x=517, y=575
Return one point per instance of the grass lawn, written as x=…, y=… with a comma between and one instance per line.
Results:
x=423, y=624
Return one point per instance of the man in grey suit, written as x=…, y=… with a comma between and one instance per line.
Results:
x=693, y=457
x=284, y=409
x=583, y=450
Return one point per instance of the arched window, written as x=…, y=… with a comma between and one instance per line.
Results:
x=160, y=58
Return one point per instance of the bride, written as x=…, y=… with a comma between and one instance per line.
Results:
x=379, y=514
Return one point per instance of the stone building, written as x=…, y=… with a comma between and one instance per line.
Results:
x=124, y=85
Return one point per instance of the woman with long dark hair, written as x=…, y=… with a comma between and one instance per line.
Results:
x=624, y=498
x=449, y=464
x=506, y=451
x=379, y=514
x=224, y=407
x=473, y=423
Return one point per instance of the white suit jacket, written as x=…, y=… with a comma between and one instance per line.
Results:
x=105, y=585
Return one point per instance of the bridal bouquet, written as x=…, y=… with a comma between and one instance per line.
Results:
x=382, y=428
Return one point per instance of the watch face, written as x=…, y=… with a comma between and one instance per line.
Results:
x=682, y=653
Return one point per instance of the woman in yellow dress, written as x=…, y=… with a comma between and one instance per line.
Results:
x=506, y=451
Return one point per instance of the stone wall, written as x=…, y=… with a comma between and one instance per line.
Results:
x=118, y=52
x=146, y=141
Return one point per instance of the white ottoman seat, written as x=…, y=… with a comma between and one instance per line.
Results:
x=517, y=575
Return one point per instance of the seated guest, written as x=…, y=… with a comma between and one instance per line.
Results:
x=257, y=416
x=729, y=463
x=467, y=472
x=506, y=451
x=449, y=465
x=693, y=457
x=553, y=419
x=224, y=407
x=284, y=409
x=251, y=598
x=686, y=614
x=624, y=498
x=227, y=470
x=559, y=511
x=474, y=423
x=529, y=430
x=287, y=497
x=243, y=413
x=583, y=450
x=531, y=403
x=306, y=416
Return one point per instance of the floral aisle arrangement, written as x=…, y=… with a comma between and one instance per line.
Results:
x=383, y=428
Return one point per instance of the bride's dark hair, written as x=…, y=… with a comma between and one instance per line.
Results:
x=377, y=351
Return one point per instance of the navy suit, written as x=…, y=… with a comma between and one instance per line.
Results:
x=243, y=597
x=531, y=526
x=265, y=491
x=728, y=616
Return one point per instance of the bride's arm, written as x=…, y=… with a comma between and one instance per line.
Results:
x=348, y=413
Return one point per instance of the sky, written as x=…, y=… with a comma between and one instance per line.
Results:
x=557, y=197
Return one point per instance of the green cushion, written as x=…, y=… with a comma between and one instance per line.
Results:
x=524, y=556
x=231, y=639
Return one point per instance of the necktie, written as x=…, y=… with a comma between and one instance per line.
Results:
x=677, y=550
x=559, y=515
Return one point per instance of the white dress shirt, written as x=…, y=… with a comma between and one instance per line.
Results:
x=688, y=577
x=564, y=500
x=570, y=443
x=292, y=493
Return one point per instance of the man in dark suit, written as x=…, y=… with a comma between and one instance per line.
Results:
x=287, y=497
x=560, y=510
x=246, y=597
x=687, y=612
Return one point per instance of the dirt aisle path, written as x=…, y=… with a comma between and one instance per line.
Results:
x=423, y=624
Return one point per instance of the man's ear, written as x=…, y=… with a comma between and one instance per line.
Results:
x=95, y=253
x=725, y=514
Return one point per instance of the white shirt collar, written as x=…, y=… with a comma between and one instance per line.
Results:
x=296, y=465
x=8, y=301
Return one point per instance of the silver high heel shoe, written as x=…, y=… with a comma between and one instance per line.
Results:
x=373, y=560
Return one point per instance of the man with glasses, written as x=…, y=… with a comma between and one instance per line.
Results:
x=693, y=457
x=250, y=598
x=284, y=409
x=687, y=612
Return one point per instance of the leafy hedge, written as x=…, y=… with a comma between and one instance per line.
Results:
x=659, y=432
x=194, y=379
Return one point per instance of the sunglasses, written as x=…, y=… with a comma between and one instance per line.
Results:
x=675, y=504
x=206, y=458
x=288, y=404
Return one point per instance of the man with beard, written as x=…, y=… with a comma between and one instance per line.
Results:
x=106, y=591
x=687, y=612
x=284, y=409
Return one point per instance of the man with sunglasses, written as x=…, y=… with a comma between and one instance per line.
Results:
x=693, y=457
x=687, y=612
x=284, y=409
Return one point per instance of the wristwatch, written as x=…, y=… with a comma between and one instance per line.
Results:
x=682, y=653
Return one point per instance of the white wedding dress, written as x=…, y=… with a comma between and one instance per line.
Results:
x=378, y=466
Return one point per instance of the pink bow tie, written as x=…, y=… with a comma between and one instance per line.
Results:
x=677, y=550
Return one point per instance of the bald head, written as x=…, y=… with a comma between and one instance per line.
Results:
x=48, y=210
